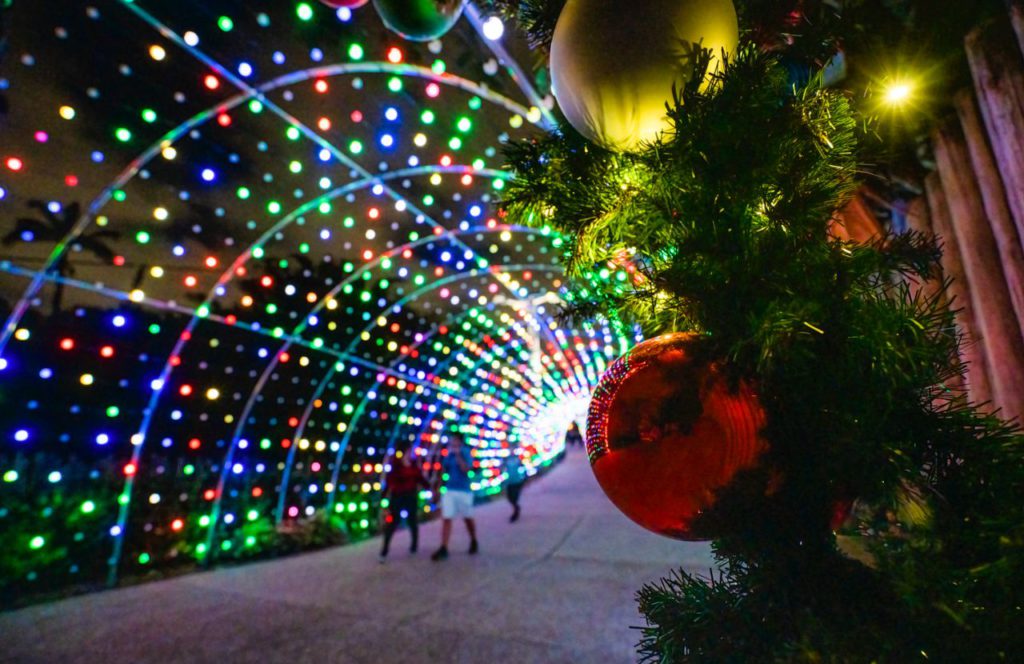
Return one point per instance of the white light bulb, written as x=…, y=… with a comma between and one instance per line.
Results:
x=493, y=28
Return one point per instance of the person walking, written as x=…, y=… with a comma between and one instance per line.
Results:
x=401, y=488
x=457, y=498
x=516, y=479
x=573, y=437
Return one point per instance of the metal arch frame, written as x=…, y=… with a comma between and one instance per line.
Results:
x=294, y=337
x=516, y=326
x=268, y=370
x=588, y=360
x=76, y=230
x=324, y=382
x=330, y=373
x=280, y=112
x=514, y=70
x=226, y=277
x=357, y=414
x=303, y=324
x=310, y=134
x=229, y=456
x=419, y=434
x=428, y=422
x=200, y=118
x=343, y=446
x=185, y=335
x=220, y=320
x=392, y=438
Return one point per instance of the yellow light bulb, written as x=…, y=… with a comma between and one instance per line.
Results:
x=898, y=93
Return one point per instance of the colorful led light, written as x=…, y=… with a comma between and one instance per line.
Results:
x=253, y=227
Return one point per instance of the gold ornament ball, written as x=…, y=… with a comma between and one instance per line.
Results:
x=614, y=62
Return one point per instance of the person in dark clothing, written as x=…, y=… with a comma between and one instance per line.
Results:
x=401, y=488
x=516, y=479
x=573, y=437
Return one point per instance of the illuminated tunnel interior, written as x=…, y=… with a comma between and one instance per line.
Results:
x=248, y=248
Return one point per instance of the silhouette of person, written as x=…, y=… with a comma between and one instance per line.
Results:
x=457, y=498
x=573, y=437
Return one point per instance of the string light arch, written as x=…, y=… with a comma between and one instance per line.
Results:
x=299, y=269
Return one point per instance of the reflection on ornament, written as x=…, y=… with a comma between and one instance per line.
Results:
x=419, y=20
x=664, y=431
x=613, y=64
x=346, y=4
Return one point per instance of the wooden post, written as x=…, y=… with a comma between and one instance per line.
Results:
x=1017, y=20
x=993, y=198
x=978, y=386
x=998, y=71
x=919, y=220
x=859, y=221
x=986, y=283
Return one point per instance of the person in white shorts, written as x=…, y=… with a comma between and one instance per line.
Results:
x=457, y=498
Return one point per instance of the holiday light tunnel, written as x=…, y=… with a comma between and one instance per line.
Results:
x=277, y=255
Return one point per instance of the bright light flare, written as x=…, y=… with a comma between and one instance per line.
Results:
x=898, y=93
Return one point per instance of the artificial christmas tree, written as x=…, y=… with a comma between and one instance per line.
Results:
x=723, y=229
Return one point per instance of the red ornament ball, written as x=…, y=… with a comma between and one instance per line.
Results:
x=664, y=431
x=339, y=4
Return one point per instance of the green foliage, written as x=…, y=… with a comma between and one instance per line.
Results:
x=724, y=229
x=685, y=209
x=318, y=531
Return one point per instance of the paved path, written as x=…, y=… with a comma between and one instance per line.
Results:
x=555, y=587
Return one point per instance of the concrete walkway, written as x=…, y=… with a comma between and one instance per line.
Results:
x=555, y=587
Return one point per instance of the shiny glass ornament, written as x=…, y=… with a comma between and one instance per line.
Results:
x=419, y=20
x=614, y=63
x=665, y=431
